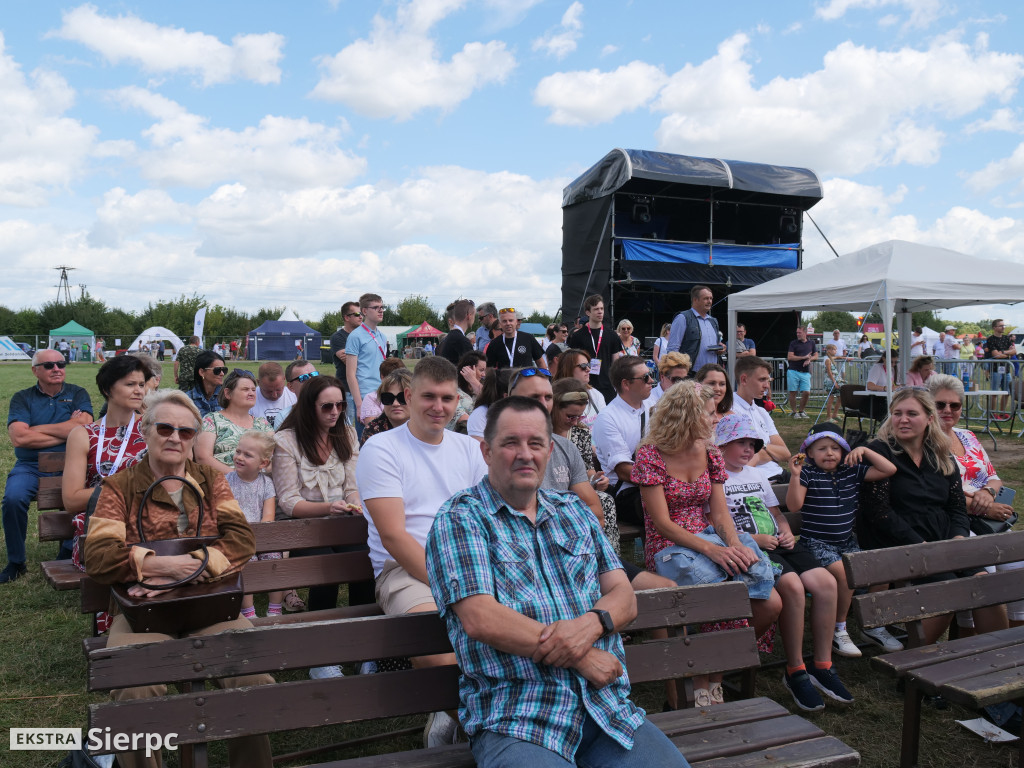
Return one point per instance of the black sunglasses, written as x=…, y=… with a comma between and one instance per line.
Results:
x=389, y=398
x=328, y=407
x=646, y=377
x=166, y=430
x=583, y=366
x=305, y=376
x=49, y=364
x=353, y=314
x=941, y=405
x=219, y=370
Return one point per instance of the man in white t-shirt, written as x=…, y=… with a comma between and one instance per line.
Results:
x=917, y=342
x=404, y=476
x=840, y=345
x=753, y=379
x=273, y=398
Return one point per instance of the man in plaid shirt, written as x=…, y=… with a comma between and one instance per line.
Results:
x=533, y=594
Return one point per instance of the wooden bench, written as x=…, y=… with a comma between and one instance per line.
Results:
x=740, y=733
x=288, y=573
x=54, y=522
x=973, y=672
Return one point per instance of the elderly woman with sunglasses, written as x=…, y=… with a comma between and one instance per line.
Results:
x=209, y=377
x=113, y=553
x=575, y=364
x=391, y=395
x=222, y=429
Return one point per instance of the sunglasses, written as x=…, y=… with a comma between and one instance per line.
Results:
x=328, y=407
x=526, y=373
x=646, y=378
x=219, y=370
x=507, y=310
x=676, y=379
x=389, y=398
x=353, y=314
x=941, y=405
x=570, y=418
x=305, y=376
x=583, y=366
x=166, y=430
x=49, y=364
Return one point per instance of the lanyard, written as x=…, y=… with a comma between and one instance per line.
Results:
x=510, y=352
x=373, y=336
x=120, y=453
x=600, y=338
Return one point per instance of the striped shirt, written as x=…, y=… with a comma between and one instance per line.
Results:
x=548, y=572
x=830, y=508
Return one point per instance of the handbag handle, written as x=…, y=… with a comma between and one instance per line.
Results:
x=199, y=526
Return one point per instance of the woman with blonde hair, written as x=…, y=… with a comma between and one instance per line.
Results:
x=680, y=473
x=673, y=367
x=630, y=344
x=661, y=343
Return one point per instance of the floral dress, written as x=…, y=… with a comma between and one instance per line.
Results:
x=975, y=466
x=227, y=434
x=580, y=437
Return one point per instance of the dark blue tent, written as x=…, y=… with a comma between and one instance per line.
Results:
x=284, y=340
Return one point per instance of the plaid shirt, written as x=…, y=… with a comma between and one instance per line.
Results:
x=547, y=572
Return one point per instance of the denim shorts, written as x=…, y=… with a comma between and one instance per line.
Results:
x=798, y=381
x=828, y=552
x=688, y=568
x=1000, y=380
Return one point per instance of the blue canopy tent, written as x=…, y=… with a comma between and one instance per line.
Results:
x=284, y=340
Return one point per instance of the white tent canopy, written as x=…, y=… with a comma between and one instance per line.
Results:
x=896, y=276
x=156, y=333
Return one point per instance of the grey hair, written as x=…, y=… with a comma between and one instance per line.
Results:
x=38, y=352
x=939, y=381
x=159, y=397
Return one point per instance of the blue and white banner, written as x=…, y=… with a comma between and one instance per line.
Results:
x=197, y=325
x=11, y=351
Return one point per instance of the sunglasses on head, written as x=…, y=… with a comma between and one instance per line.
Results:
x=305, y=376
x=166, y=430
x=49, y=364
x=507, y=310
x=526, y=373
x=328, y=407
x=241, y=373
x=390, y=398
x=941, y=405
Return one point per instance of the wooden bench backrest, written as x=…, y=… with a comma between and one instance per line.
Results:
x=49, y=494
x=305, y=703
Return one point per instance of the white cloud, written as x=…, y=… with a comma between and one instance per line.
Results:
x=1002, y=171
x=561, y=41
x=609, y=49
x=166, y=50
x=398, y=70
x=123, y=215
x=922, y=12
x=279, y=152
x=592, y=97
x=863, y=108
x=41, y=151
x=1005, y=119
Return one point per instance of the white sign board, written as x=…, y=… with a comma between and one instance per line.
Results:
x=11, y=351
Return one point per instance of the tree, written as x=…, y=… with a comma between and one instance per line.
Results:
x=826, y=321
x=413, y=310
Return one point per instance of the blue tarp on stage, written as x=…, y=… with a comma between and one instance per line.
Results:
x=783, y=256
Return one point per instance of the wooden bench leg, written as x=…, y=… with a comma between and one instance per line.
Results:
x=911, y=724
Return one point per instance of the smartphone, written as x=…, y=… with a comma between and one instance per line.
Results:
x=1005, y=496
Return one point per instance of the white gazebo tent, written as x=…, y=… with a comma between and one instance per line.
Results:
x=898, y=276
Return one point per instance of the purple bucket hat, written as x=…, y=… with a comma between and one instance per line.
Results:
x=734, y=426
x=824, y=429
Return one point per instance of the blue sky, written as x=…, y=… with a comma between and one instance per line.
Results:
x=267, y=154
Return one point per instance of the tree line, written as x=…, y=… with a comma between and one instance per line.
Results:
x=177, y=315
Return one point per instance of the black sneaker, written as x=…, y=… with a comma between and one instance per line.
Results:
x=828, y=682
x=803, y=691
x=12, y=572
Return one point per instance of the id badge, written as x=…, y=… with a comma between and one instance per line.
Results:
x=1001, y=369
x=595, y=367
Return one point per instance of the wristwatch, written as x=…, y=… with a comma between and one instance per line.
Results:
x=607, y=625
x=990, y=489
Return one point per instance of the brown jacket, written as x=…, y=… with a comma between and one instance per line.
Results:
x=112, y=552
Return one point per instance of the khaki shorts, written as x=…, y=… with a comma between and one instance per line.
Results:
x=398, y=592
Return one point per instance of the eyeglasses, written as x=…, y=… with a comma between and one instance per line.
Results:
x=583, y=366
x=377, y=308
x=219, y=370
x=526, y=373
x=166, y=430
x=353, y=314
x=647, y=378
x=570, y=418
x=49, y=364
x=676, y=379
x=328, y=407
x=941, y=405
x=389, y=398
x=563, y=330
x=305, y=376
x=507, y=310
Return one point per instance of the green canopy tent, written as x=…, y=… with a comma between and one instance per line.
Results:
x=72, y=331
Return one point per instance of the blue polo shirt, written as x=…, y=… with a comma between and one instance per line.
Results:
x=369, y=350
x=32, y=406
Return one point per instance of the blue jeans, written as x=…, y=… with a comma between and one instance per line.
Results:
x=350, y=410
x=597, y=749
x=22, y=487
x=687, y=567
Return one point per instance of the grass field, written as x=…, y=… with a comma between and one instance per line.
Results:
x=42, y=671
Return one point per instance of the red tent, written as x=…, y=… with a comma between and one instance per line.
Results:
x=426, y=330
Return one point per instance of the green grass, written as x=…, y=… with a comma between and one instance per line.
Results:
x=42, y=670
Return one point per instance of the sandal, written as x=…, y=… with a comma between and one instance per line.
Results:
x=717, y=695
x=701, y=697
x=292, y=602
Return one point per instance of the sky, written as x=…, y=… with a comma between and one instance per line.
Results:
x=269, y=154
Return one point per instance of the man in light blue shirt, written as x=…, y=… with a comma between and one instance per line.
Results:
x=486, y=313
x=365, y=349
x=695, y=332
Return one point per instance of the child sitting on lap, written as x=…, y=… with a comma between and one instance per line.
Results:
x=254, y=491
x=825, y=489
x=755, y=509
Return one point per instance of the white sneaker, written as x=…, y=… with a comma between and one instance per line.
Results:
x=881, y=637
x=323, y=673
x=844, y=646
x=440, y=730
x=795, y=415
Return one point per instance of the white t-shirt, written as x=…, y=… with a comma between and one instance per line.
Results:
x=394, y=464
x=878, y=375
x=840, y=346
x=750, y=497
x=765, y=429
x=477, y=421
x=273, y=410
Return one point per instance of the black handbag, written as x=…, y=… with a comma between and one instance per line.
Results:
x=190, y=606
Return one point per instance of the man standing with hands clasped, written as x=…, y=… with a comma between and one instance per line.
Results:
x=802, y=352
x=533, y=598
